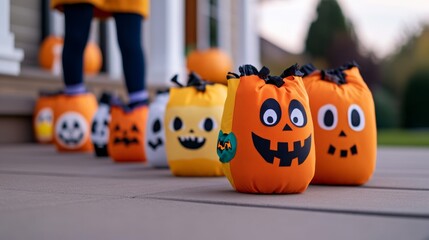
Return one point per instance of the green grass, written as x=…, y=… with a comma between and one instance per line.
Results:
x=403, y=138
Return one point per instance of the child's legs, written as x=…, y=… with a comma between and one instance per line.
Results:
x=77, y=24
x=128, y=27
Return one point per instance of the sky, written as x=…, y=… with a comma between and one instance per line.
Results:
x=382, y=26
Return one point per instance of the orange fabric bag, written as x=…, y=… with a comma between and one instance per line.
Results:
x=43, y=117
x=345, y=129
x=126, y=133
x=73, y=115
x=266, y=140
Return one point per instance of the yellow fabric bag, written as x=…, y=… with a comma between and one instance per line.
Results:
x=192, y=123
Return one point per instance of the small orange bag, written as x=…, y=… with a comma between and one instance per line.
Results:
x=43, y=117
x=73, y=115
x=126, y=133
x=345, y=129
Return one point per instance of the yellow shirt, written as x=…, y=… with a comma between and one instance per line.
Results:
x=104, y=8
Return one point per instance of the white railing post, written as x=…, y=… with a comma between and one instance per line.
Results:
x=224, y=25
x=247, y=37
x=10, y=57
x=167, y=53
x=113, y=54
x=203, y=24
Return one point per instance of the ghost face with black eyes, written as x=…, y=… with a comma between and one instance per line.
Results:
x=100, y=130
x=155, y=132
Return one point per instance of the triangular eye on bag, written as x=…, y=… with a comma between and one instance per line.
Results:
x=344, y=125
x=266, y=140
x=192, y=123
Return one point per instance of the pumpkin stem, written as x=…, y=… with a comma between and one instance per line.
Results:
x=349, y=65
x=264, y=73
x=174, y=79
x=116, y=101
x=196, y=81
x=50, y=93
x=232, y=75
x=275, y=80
x=106, y=98
x=248, y=70
x=162, y=91
x=334, y=75
x=307, y=69
x=292, y=71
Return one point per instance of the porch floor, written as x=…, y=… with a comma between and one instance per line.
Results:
x=46, y=195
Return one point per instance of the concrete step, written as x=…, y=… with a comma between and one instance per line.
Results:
x=18, y=95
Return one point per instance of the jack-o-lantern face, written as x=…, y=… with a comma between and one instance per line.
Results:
x=270, y=116
x=100, y=126
x=269, y=119
x=126, y=133
x=155, y=133
x=327, y=119
x=192, y=122
x=126, y=136
x=345, y=129
x=71, y=130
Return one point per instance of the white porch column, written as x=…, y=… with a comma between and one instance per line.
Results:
x=224, y=25
x=203, y=24
x=247, y=37
x=113, y=54
x=10, y=57
x=166, y=48
x=56, y=23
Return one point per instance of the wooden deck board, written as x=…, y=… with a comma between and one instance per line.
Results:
x=46, y=195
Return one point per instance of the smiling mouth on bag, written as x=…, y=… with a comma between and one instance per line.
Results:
x=191, y=142
x=262, y=145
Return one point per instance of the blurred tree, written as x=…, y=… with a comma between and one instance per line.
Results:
x=414, y=108
x=387, y=111
x=331, y=41
x=330, y=22
x=413, y=55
